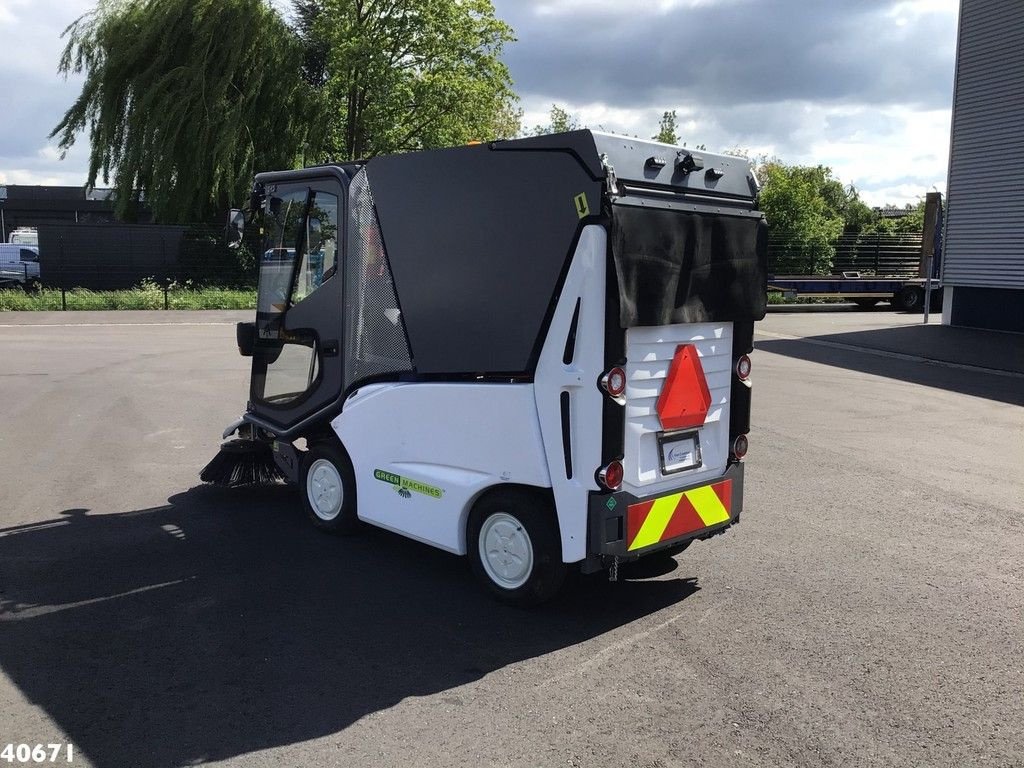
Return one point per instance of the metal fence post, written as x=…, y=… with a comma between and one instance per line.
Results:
x=63, y=287
x=163, y=256
x=878, y=241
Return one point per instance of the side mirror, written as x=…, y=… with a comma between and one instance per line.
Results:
x=245, y=335
x=236, y=227
x=315, y=236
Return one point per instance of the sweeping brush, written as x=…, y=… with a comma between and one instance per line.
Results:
x=243, y=462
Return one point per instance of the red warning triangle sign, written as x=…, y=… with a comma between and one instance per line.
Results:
x=685, y=398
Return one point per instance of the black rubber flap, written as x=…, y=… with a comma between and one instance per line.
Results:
x=680, y=267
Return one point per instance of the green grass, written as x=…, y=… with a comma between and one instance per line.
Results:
x=775, y=297
x=137, y=298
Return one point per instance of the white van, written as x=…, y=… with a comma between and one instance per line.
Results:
x=25, y=236
x=18, y=264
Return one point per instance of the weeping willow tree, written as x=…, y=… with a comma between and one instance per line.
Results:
x=184, y=100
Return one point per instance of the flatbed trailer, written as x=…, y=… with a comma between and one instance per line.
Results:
x=905, y=293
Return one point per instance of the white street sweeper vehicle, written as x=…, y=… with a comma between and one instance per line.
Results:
x=531, y=352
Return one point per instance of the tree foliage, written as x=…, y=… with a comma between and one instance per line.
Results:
x=398, y=75
x=183, y=100
x=911, y=224
x=803, y=207
x=560, y=120
x=668, y=132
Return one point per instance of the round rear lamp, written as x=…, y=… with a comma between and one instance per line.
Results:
x=611, y=476
x=614, y=382
x=743, y=367
x=740, y=446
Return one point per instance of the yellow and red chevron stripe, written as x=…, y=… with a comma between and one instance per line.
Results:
x=668, y=517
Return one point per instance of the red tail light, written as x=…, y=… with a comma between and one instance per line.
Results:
x=743, y=367
x=614, y=382
x=740, y=446
x=611, y=476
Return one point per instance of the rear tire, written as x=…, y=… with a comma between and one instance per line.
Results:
x=328, y=489
x=515, y=548
x=910, y=298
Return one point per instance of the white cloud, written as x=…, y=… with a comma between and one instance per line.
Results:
x=35, y=95
x=618, y=8
x=862, y=87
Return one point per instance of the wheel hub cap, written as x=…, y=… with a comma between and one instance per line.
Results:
x=324, y=490
x=506, y=550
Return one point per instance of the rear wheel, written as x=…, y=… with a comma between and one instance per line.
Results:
x=329, y=489
x=514, y=547
x=910, y=298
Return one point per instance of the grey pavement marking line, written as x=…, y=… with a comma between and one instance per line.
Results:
x=97, y=325
x=887, y=353
x=599, y=656
x=30, y=612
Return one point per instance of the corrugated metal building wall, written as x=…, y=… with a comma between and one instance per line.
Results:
x=984, y=247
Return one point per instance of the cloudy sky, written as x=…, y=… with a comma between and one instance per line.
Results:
x=863, y=86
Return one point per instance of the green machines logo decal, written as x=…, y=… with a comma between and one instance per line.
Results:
x=404, y=485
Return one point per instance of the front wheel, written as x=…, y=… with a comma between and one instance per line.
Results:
x=328, y=489
x=515, y=548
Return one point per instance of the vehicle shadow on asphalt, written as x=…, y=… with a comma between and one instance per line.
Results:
x=975, y=382
x=222, y=623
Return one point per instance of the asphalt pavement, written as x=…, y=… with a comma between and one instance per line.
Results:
x=867, y=611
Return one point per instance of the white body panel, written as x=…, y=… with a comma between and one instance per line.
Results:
x=585, y=283
x=424, y=452
x=649, y=353
x=457, y=438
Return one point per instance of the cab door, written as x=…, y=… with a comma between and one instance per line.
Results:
x=297, y=365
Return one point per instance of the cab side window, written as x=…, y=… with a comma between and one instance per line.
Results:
x=320, y=261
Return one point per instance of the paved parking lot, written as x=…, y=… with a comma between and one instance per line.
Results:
x=867, y=611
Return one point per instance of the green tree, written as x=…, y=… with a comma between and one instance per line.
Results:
x=857, y=216
x=184, y=99
x=400, y=75
x=667, y=129
x=911, y=224
x=803, y=208
x=559, y=121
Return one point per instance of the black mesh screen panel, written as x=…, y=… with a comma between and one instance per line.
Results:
x=675, y=267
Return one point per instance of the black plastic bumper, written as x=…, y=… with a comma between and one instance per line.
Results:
x=609, y=523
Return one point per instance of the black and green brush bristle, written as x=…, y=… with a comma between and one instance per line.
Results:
x=243, y=462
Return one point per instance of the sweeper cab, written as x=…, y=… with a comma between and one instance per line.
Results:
x=530, y=352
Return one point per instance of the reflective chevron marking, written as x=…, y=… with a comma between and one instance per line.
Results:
x=678, y=514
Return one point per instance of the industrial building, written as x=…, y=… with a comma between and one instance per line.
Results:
x=983, y=270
